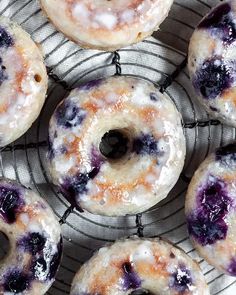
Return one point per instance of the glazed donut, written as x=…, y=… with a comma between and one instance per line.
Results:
x=144, y=266
x=106, y=25
x=23, y=81
x=212, y=62
x=210, y=209
x=35, y=240
x=116, y=146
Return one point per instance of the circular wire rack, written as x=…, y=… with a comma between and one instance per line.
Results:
x=160, y=60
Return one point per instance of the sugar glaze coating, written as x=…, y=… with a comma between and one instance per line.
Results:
x=23, y=81
x=210, y=209
x=153, y=265
x=34, y=234
x=155, y=146
x=103, y=24
x=212, y=64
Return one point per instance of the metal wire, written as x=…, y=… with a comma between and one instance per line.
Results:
x=34, y=150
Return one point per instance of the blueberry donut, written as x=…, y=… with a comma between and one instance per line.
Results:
x=116, y=146
x=30, y=266
x=106, y=25
x=23, y=81
x=211, y=209
x=212, y=62
x=140, y=266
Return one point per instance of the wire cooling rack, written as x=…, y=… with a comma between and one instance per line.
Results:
x=163, y=62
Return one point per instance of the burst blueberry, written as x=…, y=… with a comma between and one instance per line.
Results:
x=131, y=278
x=181, y=280
x=146, y=144
x=206, y=223
x=32, y=243
x=69, y=115
x=10, y=203
x=206, y=231
x=213, y=78
x=16, y=282
x=220, y=23
x=5, y=39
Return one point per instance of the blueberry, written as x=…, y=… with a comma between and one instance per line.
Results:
x=10, y=203
x=131, y=278
x=114, y=144
x=146, y=145
x=220, y=23
x=153, y=96
x=5, y=39
x=16, y=282
x=181, y=280
x=227, y=154
x=76, y=185
x=69, y=115
x=3, y=74
x=232, y=267
x=32, y=243
x=213, y=78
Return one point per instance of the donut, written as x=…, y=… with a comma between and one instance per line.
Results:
x=211, y=209
x=140, y=266
x=116, y=146
x=23, y=81
x=106, y=25
x=34, y=235
x=212, y=62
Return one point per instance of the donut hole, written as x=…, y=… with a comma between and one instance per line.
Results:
x=114, y=144
x=37, y=78
x=4, y=245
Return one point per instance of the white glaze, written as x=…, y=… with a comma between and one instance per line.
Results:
x=132, y=184
x=103, y=273
x=107, y=24
x=22, y=97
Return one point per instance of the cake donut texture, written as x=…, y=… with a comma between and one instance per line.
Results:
x=210, y=209
x=30, y=266
x=116, y=146
x=23, y=81
x=144, y=266
x=107, y=25
x=212, y=64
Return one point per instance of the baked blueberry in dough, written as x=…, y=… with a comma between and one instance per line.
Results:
x=107, y=25
x=34, y=234
x=140, y=267
x=212, y=62
x=116, y=146
x=23, y=81
x=210, y=209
